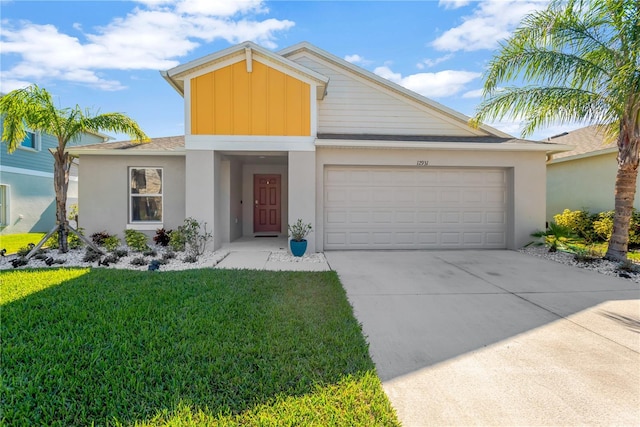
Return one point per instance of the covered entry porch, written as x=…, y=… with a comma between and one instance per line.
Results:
x=250, y=194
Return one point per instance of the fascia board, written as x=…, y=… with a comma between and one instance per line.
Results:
x=120, y=152
x=451, y=146
x=583, y=155
x=182, y=72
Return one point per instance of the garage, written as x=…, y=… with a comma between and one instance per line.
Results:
x=378, y=207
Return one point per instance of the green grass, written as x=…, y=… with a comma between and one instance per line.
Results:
x=13, y=242
x=199, y=347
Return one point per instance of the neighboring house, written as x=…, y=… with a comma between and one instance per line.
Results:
x=27, y=196
x=273, y=137
x=584, y=177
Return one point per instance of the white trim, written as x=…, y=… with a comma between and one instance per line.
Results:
x=37, y=141
x=117, y=152
x=21, y=171
x=247, y=53
x=313, y=111
x=161, y=195
x=583, y=155
x=474, y=146
x=187, y=107
x=6, y=206
x=250, y=143
x=144, y=226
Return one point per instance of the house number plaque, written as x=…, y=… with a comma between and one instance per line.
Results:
x=422, y=163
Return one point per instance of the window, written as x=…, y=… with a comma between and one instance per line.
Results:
x=31, y=141
x=4, y=205
x=145, y=194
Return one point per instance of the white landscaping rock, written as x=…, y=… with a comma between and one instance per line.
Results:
x=602, y=266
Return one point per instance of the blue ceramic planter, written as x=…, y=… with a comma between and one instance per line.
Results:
x=298, y=248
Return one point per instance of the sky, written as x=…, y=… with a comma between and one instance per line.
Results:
x=106, y=55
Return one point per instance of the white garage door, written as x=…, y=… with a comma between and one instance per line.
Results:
x=414, y=208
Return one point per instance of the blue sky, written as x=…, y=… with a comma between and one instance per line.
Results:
x=105, y=55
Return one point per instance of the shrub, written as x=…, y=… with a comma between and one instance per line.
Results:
x=120, y=253
x=99, y=237
x=580, y=222
x=195, y=236
x=556, y=237
x=603, y=225
x=24, y=251
x=177, y=240
x=91, y=256
x=74, y=241
x=299, y=230
x=190, y=236
x=162, y=237
x=585, y=255
x=111, y=243
x=136, y=240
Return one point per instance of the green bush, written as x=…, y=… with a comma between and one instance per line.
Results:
x=111, y=243
x=580, y=222
x=177, y=240
x=73, y=241
x=136, y=240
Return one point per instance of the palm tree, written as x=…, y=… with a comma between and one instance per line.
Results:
x=579, y=61
x=33, y=108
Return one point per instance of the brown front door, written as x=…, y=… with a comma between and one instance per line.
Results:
x=266, y=200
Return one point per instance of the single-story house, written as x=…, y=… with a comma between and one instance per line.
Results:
x=272, y=137
x=585, y=177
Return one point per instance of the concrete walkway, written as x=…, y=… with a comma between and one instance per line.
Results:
x=497, y=337
x=268, y=253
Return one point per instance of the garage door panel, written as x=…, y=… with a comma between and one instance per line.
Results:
x=414, y=208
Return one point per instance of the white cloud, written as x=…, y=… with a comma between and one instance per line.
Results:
x=453, y=4
x=7, y=85
x=357, y=59
x=491, y=21
x=428, y=62
x=152, y=36
x=433, y=85
x=473, y=94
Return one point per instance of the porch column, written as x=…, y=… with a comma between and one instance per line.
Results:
x=200, y=181
x=302, y=192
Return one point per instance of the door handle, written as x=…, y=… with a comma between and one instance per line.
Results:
x=256, y=203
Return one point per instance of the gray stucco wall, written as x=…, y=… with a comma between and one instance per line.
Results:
x=104, y=192
x=583, y=183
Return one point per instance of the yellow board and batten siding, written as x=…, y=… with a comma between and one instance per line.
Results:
x=232, y=101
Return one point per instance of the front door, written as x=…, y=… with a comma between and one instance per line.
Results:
x=266, y=199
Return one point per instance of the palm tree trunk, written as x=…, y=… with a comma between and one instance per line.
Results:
x=625, y=191
x=61, y=184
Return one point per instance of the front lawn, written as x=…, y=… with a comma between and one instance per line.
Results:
x=13, y=242
x=190, y=348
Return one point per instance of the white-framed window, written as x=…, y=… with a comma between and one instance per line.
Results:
x=4, y=205
x=31, y=142
x=145, y=195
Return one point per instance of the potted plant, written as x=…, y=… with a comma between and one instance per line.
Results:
x=298, y=232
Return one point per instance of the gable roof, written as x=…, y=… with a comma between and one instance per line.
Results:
x=587, y=142
x=372, y=77
x=175, y=76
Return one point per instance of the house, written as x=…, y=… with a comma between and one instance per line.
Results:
x=27, y=196
x=272, y=137
x=585, y=177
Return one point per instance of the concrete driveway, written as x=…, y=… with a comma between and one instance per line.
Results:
x=497, y=337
